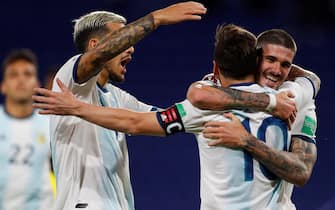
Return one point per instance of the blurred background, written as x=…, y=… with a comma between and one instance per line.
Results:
x=165, y=171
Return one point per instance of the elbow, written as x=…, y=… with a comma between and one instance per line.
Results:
x=134, y=125
x=301, y=181
x=197, y=96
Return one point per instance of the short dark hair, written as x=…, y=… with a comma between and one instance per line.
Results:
x=82, y=39
x=19, y=54
x=277, y=37
x=235, y=51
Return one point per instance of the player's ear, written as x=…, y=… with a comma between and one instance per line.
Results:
x=92, y=43
x=215, y=70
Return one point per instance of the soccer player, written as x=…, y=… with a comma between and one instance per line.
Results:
x=24, y=138
x=295, y=166
x=229, y=176
x=91, y=165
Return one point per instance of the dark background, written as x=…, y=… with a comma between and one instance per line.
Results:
x=165, y=171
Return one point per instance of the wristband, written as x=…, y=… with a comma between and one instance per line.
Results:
x=272, y=102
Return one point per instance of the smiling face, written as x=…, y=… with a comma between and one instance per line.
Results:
x=275, y=65
x=116, y=67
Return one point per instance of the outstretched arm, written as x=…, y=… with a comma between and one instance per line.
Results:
x=220, y=98
x=116, y=42
x=294, y=166
x=64, y=103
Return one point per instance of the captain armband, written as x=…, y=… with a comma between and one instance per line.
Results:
x=170, y=120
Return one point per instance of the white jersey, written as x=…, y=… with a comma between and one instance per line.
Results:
x=91, y=167
x=114, y=147
x=231, y=178
x=305, y=123
x=25, y=163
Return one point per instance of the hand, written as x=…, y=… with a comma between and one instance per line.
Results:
x=178, y=12
x=285, y=108
x=229, y=134
x=58, y=103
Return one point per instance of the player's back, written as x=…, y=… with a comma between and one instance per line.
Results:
x=25, y=162
x=231, y=178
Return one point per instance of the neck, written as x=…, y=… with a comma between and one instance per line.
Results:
x=226, y=82
x=19, y=110
x=103, y=78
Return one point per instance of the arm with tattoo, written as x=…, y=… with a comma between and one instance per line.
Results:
x=114, y=43
x=221, y=98
x=294, y=166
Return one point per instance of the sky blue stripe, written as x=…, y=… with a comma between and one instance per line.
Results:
x=35, y=181
x=4, y=153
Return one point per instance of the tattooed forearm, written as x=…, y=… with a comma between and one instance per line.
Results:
x=113, y=44
x=221, y=98
x=241, y=99
x=295, y=166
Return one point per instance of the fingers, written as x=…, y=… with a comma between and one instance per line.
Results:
x=193, y=17
x=214, y=124
x=45, y=112
x=43, y=91
x=61, y=85
x=43, y=106
x=42, y=99
x=212, y=135
x=214, y=143
x=290, y=94
x=291, y=120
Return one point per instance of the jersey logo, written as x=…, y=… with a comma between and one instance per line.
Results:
x=309, y=126
x=41, y=139
x=170, y=120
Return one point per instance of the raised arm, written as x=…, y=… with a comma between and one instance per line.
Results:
x=114, y=43
x=218, y=98
x=64, y=103
x=294, y=166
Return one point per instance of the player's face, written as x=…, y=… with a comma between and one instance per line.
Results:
x=20, y=78
x=275, y=65
x=116, y=67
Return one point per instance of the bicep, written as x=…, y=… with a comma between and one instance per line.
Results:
x=306, y=151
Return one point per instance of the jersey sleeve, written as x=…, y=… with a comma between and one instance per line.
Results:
x=302, y=89
x=305, y=123
x=128, y=101
x=67, y=74
x=182, y=117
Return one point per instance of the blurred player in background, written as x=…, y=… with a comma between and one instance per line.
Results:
x=91, y=163
x=24, y=138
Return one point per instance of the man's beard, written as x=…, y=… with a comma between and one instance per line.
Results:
x=115, y=78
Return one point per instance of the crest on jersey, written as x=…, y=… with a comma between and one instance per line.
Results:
x=41, y=139
x=309, y=126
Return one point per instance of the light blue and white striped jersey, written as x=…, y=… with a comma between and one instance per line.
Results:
x=114, y=147
x=90, y=162
x=231, y=178
x=25, y=162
